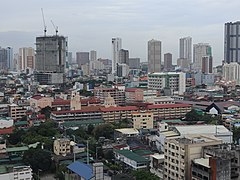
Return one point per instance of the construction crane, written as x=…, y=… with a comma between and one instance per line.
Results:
x=55, y=27
x=45, y=27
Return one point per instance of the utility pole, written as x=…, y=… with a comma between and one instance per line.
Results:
x=74, y=155
x=87, y=153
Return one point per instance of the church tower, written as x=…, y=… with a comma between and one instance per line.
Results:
x=75, y=103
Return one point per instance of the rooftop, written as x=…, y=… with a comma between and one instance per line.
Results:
x=128, y=131
x=202, y=161
x=131, y=155
x=83, y=170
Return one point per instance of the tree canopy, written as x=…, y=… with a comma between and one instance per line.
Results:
x=144, y=175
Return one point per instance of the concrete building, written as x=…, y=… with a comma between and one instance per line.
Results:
x=17, y=112
x=168, y=62
x=231, y=42
x=10, y=58
x=51, y=54
x=123, y=56
x=122, y=70
x=179, y=152
x=6, y=58
x=231, y=72
x=38, y=102
x=207, y=79
x=142, y=120
x=70, y=58
x=207, y=65
x=61, y=146
x=26, y=59
x=82, y=58
x=175, y=81
x=75, y=103
x=93, y=55
x=183, y=64
x=134, y=95
x=6, y=122
x=134, y=63
x=18, y=173
x=116, y=46
x=154, y=56
x=185, y=49
x=200, y=50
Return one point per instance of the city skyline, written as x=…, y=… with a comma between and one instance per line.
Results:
x=95, y=23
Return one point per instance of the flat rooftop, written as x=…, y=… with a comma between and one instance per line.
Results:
x=128, y=131
x=202, y=161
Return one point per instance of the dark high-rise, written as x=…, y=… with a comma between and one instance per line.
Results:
x=232, y=42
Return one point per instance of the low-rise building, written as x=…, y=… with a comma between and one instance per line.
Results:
x=61, y=146
x=125, y=133
x=17, y=112
x=18, y=173
x=179, y=152
x=142, y=120
x=134, y=95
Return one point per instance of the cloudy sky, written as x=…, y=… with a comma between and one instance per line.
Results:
x=90, y=24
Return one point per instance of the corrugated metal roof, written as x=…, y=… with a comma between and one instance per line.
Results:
x=83, y=170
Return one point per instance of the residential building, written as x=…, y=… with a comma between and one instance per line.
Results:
x=131, y=159
x=38, y=102
x=157, y=164
x=123, y=56
x=125, y=133
x=18, y=173
x=93, y=55
x=17, y=112
x=175, y=81
x=51, y=54
x=183, y=63
x=160, y=100
x=231, y=42
x=3, y=59
x=142, y=120
x=10, y=58
x=26, y=59
x=6, y=122
x=167, y=62
x=134, y=94
x=61, y=146
x=134, y=63
x=231, y=72
x=82, y=58
x=116, y=46
x=179, y=152
x=115, y=92
x=122, y=70
x=154, y=56
x=200, y=50
x=207, y=65
x=70, y=58
x=185, y=50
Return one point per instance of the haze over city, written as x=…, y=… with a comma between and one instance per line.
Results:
x=91, y=24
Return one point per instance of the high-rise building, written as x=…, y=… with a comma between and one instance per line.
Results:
x=82, y=58
x=168, y=62
x=26, y=59
x=122, y=70
x=200, y=50
x=185, y=49
x=232, y=42
x=231, y=72
x=123, y=56
x=3, y=59
x=134, y=63
x=154, y=56
x=9, y=58
x=51, y=54
x=70, y=58
x=116, y=46
x=93, y=55
x=207, y=64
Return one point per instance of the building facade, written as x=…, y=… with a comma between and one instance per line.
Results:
x=142, y=120
x=26, y=59
x=154, y=56
x=61, y=146
x=175, y=81
x=200, y=50
x=168, y=62
x=232, y=42
x=185, y=49
x=82, y=58
x=116, y=46
x=207, y=65
x=231, y=72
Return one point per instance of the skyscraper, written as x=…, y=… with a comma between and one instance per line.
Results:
x=93, y=55
x=168, y=62
x=200, y=50
x=26, y=59
x=51, y=54
x=232, y=42
x=185, y=49
x=154, y=56
x=10, y=58
x=82, y=58
x=6, y=58
x=123, y=56
x=207, y=64
x=116, y=46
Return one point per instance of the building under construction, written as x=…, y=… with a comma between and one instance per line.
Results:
x=51, y=54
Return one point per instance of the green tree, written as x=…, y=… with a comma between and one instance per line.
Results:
x=193, y=115
x=90, y=129
x=103, y=130
x=144, y=175
x=16, y=137
x=236, y=134
x=38, y=159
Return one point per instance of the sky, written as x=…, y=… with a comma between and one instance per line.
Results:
x=90, y=24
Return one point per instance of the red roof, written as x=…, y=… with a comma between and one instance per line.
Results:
x=159, y=106
x=6, y=130
x=83, y=109
x=120, y=108
x=83, y=101
x=61, y=102
x=37, y=97
x=133, y=89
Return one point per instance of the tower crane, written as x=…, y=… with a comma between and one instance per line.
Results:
x=45, y=27
x=55, y=27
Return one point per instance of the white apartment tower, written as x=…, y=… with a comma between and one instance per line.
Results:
x=154, y=56
x=185, y=49
x=116, y=46
x=231, y=72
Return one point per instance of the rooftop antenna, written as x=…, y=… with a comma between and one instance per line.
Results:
x=55, y=27
x=45, y=27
